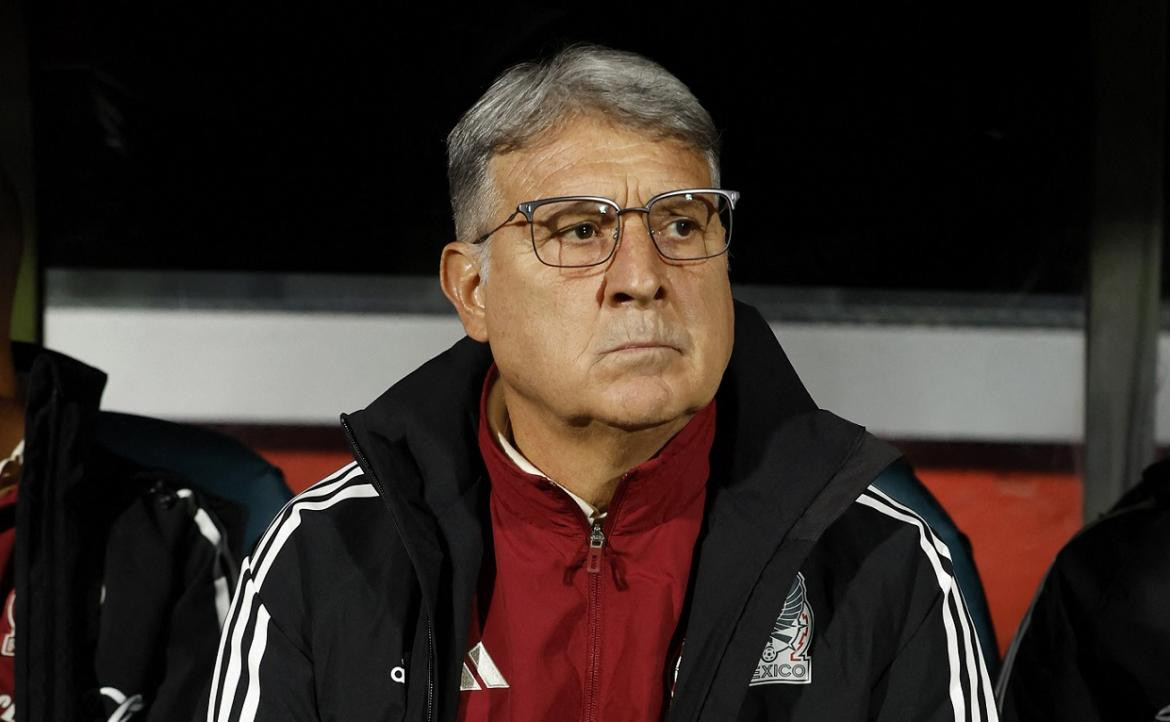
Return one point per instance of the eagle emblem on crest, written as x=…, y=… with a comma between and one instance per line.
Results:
x=786, y=658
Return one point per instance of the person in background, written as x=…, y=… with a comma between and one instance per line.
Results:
x=614, y=500
x=115, y=578
x=1095, y=645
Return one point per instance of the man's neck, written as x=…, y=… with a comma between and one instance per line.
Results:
x=588, y=461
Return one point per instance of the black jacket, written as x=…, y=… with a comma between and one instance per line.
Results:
x=355, y=604
x=1095, y=645
x=119, y=569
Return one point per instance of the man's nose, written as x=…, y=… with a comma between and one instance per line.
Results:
x=636, y=273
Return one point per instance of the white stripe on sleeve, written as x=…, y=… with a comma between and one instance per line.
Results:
x=953, y=623
x=255, y=654
x=245, y=607
x=983, y=681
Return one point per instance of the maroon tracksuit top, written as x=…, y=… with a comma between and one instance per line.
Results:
x=575, y=621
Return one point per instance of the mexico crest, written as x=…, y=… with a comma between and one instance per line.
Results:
x=786, y=658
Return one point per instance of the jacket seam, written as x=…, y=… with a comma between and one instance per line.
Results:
x=276, y=624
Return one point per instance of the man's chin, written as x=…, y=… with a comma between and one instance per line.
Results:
x=633, y=425
x=642, y=411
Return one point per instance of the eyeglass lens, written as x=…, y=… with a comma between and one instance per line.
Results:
x=579, y=232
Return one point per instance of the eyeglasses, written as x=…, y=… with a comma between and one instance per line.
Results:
x=581, y=231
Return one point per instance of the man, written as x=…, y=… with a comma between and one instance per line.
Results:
x=114, y=578
x=614, y=500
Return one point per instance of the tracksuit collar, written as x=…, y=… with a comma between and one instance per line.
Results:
x=494, y=413
x=652, y=492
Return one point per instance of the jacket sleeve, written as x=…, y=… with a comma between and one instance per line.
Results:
x=289, y=650
x=938, y=674
x=937, y=671
x=263, y=671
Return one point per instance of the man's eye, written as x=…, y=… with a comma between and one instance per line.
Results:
x=680, y=228
x=578, y=232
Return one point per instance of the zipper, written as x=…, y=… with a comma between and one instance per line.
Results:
x=596, y=544
x=430, y=637
x=593, y=567
x=593, y=564
x=430, y=671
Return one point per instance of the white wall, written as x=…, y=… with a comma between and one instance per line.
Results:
x=304, y=368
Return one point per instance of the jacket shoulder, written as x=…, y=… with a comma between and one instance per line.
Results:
x=324, y=605
x=877, y=535
x=333, y=536
x=318, y=514
x=876, y=516
x=881, y=563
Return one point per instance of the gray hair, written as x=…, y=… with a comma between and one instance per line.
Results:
x=531, y=99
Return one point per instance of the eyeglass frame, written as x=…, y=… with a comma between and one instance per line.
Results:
x=527, y=208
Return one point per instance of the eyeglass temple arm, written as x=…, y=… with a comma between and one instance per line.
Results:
x=487, y=235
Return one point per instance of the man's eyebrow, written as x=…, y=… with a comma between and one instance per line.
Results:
x=574, y=203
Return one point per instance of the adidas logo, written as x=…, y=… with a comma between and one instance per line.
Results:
x=483, y=672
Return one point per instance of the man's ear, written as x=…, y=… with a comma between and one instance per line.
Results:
x=462, y=282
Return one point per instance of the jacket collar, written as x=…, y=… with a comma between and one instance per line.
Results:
x=648, y=495
x=62, y=396
x=52, y=372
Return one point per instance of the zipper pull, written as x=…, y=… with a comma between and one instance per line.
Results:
x=596, y=542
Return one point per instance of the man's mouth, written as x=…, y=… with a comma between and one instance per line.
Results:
x=647, y=336
x=635, y=348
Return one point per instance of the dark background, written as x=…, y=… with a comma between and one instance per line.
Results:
x=889, y=145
